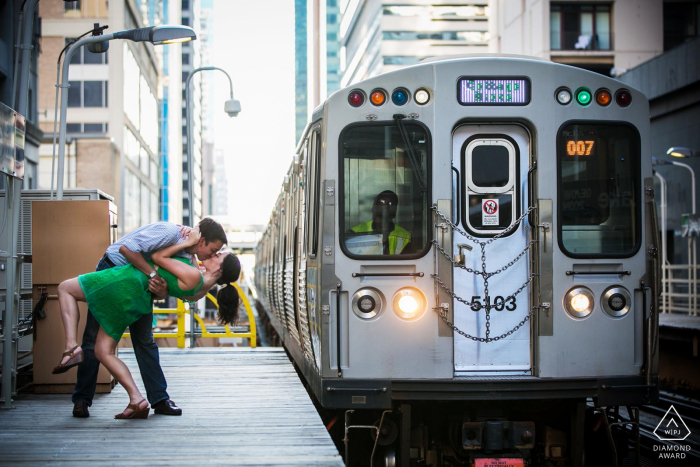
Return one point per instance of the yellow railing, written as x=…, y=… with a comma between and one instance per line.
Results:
x=181, y=311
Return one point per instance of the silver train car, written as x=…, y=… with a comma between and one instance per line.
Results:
x=464, y=256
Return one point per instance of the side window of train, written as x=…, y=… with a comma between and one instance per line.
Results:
x=490, y=184
x=599, y=189
x=313, y=173
x=384, y=188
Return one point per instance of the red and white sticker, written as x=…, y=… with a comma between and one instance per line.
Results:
x=489, y=212
x=502, y=462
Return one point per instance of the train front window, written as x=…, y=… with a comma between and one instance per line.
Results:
x=385, y=192
x=599, y=190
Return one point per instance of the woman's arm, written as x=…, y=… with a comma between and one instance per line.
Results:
x=188, y=277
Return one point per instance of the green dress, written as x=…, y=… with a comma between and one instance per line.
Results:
x=119, y=296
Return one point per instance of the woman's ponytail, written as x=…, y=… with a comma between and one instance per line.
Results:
x=227, y=296
x=229, y=302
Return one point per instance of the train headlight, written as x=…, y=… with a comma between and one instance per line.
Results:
x=579, y=302
x=367, y=303
x=616, y=301
x=409, y=303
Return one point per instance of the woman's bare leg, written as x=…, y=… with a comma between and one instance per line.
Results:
x=105, y=348
x=69, y=294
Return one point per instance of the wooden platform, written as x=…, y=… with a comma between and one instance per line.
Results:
x=240, y=407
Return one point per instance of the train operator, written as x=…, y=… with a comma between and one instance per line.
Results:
x=395, y=239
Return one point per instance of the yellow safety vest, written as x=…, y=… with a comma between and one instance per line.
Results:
x=398, y=238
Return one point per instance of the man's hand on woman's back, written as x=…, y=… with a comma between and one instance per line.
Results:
x=158, y=288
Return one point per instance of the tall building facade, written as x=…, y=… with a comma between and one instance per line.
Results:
x=191, y=60
x=607, y=37
x=377, y=36
x=9, y=20
x=113, y=110
x=317, y=55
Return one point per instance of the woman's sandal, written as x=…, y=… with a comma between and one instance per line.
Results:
x=74, y=360
x=136, y=411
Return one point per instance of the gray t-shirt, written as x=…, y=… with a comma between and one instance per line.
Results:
x=146, y=240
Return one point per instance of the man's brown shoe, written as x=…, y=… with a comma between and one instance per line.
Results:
x=167, y=407
x=80, y=410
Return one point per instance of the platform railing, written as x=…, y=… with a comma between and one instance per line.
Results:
x=181, y=334
x=679, y=289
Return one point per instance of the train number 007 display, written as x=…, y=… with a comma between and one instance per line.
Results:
x=579, y=148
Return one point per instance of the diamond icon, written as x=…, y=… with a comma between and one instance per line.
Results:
x=672, y=427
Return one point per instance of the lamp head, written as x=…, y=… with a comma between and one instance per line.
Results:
x=682, y=152
x=158, y=35
x=232, y=107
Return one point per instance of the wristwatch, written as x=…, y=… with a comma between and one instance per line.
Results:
x=152, y=274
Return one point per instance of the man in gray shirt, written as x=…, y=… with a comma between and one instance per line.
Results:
x=136, y=248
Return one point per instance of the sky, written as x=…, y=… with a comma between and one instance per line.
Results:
x=254, y=43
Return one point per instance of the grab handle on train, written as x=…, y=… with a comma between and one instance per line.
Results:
x=461, y=257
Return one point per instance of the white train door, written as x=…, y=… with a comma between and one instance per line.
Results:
x=491, y=163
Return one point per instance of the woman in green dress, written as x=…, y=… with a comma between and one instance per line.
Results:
x=119, y=296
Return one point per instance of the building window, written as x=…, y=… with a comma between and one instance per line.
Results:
x=185, y=59
x=84, y=56
x=185, y=5
x=185, y=21
x=402, y=60
x=91, y=128
x=470, y=37
x=439, y=13
x=580, y=27
x=86, y=9
x=681, y=23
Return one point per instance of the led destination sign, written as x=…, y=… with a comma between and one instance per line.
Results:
x=493, y=91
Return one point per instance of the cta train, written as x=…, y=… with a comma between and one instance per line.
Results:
x=463, y=263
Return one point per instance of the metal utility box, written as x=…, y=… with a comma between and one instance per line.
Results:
x=68, y=239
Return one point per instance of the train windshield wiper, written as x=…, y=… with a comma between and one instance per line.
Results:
x=417, y=171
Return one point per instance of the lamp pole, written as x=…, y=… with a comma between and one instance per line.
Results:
x=190, y=165
x=156, y=35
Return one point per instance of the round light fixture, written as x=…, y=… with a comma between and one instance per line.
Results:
x=422, y=96
x=616, y=302
x=399, y=96
x=563, y=96
x=579, y=302
x=603, y=97
x=378, y=97
x=409, y=303
x=367, y=303
x=623, y=98
x=583, y=97
x=356, y=98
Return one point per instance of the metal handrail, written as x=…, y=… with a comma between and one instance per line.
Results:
x=181, y=311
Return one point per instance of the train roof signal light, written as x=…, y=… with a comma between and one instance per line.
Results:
x=356, y=98
x=583, y=97
x=563, y=96
x=623, y=98
x=603, y=97
x=378, y=97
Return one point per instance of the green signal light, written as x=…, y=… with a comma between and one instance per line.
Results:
x=583, y=97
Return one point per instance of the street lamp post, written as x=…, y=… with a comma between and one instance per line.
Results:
x=157, y=35
x=232, y=107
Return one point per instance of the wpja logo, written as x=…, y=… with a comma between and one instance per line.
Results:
x=672, y=428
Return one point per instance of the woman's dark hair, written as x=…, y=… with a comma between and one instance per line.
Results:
x=229, y=302
x=212, y=230
x=227, y=297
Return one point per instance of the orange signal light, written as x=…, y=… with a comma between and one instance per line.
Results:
x=378, y=97
x=603, y=97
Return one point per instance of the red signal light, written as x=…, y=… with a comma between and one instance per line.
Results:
x=356, y=98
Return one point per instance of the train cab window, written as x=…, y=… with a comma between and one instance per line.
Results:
x=313, y=192
x=599, y=194
x=490, y=168
x=385, y=191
